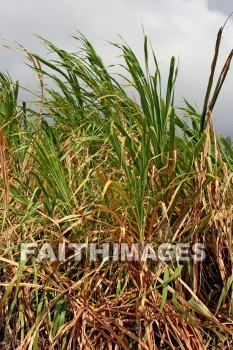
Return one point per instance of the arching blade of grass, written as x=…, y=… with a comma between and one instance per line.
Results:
x=220, y=81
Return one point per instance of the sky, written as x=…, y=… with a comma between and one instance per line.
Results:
x=186, y=29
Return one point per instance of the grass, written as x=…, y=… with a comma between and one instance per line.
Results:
x=111, y=168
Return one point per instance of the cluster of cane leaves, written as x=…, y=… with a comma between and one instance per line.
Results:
x=110, y=168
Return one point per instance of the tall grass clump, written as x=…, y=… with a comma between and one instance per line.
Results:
x=109, y=168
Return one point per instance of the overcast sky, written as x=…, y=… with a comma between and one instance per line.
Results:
x=186, y=29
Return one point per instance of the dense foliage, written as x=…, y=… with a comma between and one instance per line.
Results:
x=90, y=163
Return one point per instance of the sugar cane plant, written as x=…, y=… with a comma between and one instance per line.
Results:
x=87, y=162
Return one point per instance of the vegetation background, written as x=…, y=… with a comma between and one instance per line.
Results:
x=110, y=166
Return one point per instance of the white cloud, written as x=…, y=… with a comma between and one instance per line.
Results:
x=184, y=28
